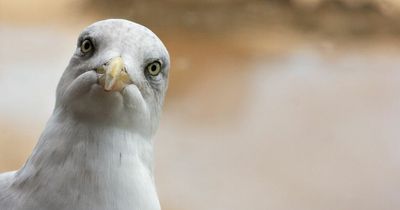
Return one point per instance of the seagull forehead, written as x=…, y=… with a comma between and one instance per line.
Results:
x=118, y=36
x=122, y=32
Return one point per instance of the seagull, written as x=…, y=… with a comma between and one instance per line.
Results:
x=96, y=151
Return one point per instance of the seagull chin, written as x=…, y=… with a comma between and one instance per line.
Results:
x=96, y=151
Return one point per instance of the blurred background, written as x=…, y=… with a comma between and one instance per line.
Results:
x=272, y=104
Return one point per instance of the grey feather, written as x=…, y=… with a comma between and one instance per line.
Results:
x=96, y=150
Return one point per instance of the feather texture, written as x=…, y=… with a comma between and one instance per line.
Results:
x=96, y=150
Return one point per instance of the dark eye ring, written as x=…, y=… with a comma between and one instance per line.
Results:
x=154, y=68
x=86, y=46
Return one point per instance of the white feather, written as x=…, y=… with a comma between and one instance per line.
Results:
x=96, y=150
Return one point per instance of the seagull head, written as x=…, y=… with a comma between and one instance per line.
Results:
x=117, y=76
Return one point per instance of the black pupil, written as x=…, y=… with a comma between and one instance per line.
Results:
x=86, y=45
x=153, y=67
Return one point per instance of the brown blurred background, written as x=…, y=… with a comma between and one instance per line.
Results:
x=273, y=104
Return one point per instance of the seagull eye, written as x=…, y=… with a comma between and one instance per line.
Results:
x=86, y=46
x=154, y=68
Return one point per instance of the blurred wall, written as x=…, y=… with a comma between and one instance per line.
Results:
x=272, y=104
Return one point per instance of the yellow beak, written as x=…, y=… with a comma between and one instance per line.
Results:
x=113, y=75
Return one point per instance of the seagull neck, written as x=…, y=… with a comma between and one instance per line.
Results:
x=91, y=167
x=73, y=149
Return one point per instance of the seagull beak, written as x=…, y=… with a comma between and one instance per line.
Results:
x=112, y=76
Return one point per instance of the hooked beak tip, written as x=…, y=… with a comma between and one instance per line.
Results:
x=112, y=76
